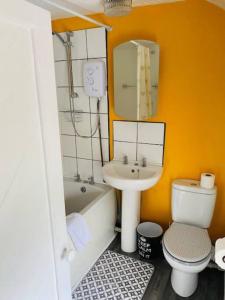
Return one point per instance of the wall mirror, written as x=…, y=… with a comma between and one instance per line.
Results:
x=136, y=76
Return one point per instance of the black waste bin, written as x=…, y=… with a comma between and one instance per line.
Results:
x=149, y=240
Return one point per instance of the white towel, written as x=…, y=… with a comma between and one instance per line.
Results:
x=78, y=230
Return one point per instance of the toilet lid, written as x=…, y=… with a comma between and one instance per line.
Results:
x=187, y=243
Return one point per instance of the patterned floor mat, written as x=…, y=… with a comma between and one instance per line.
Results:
x=115, y=277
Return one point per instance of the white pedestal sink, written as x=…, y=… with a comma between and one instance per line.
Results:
x=131, y=179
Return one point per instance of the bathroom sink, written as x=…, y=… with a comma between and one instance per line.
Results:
x=131, y=179
x=130, y=176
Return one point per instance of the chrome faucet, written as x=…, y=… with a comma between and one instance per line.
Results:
x=77, y=178
x=91, y=180
x=125, y=160
x=144, y=162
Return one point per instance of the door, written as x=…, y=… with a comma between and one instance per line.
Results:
x=32, y=218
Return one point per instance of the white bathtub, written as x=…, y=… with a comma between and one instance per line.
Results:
x=97, y=204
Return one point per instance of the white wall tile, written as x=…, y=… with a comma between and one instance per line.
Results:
x=83, y=127
x=82, y=102
x=122, y=148
x=153, y=153
x=78, y=72
x=63, y=99
x=65, y=124
x=85, y=168
x=103, y=105
x=61, y=73
x=152, y=133
x=104, y=125
x=68, y=145
x=96, y=41
x=98, y=174
x=83, y=148
x=59, y=49
x=79, y=49
x=97, y=51
x=125, y=131
x=69, y=167
x=96, y=149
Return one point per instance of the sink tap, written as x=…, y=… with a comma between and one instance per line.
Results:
x=77, y=178
x=144, y=162
x=125, y=160
x=91, y=180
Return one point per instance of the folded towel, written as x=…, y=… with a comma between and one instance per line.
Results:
x=78, y=230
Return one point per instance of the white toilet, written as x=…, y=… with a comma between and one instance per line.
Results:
x=186, y=244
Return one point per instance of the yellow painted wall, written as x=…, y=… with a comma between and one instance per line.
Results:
x=191, y=36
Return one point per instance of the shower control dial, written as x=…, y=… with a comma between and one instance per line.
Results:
x=94, y=78
x=90, y=80
x=90, y=71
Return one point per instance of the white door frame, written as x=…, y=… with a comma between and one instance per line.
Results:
x=38, y=21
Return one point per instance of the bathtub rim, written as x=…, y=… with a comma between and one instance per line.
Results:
x=104, y=187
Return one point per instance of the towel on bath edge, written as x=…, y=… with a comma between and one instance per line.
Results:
x=78, y=230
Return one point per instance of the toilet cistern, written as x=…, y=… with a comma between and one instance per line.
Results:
x=186, y=244
x=131, y=179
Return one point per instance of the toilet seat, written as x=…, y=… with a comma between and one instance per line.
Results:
x=187, y=243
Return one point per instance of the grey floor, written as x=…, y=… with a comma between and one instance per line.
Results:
x=210, y=286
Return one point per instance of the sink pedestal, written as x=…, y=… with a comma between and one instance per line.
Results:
x=130, y=219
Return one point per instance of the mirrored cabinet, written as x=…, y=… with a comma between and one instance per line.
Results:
x=136, y=76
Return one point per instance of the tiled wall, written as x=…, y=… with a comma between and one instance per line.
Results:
x=139, y=140
x=82, y=154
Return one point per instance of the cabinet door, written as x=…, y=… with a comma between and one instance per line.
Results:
x=32, y=217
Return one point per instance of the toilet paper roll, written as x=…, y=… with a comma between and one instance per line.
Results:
x=220, y=253
x=207, y=180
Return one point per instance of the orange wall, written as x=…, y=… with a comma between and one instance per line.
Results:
x=191, y=36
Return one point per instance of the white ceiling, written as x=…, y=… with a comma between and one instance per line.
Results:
x=87, y=7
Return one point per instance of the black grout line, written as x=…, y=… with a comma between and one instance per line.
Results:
x=164, y=140
x=132, y=121
x=77, y=164
x=85, y=31
x=76, y=86
x=137, y=143
x=92, y=154
x=150, y=144
x=66, y=86
x=89, y=159
x=94, y=137
x=80, y=59
x=124, y=142
x=107, y=87
x=82, y=112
